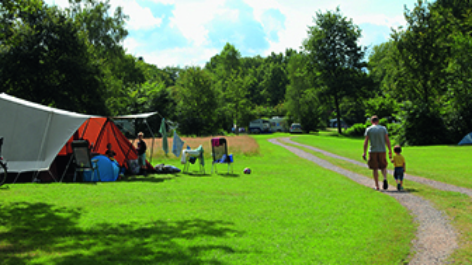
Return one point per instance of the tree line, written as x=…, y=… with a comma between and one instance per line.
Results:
x=419, y=80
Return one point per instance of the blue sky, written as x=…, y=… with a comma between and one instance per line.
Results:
x=190, y=32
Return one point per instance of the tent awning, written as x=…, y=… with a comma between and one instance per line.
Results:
x=34, y=134
x=136, y=116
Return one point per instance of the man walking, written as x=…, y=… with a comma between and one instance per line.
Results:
x=377, y=135
x=141, y=153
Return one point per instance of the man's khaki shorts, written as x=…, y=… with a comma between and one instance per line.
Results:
x=377, y=160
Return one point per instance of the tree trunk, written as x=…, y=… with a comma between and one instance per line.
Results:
x=338, y=114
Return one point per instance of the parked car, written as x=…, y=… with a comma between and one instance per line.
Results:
x=296, y=128
x=259, y=126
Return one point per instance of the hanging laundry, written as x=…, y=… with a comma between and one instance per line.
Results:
x=177, y=145
x=163, y=131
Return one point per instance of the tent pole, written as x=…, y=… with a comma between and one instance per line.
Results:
x=152, y=145
x=43, y=140
x=67, y=167
x=50, y=173
x=17, y=176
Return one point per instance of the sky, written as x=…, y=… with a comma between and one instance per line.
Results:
x=190, y=32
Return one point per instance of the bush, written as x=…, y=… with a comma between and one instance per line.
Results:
x=357, y=129
x=423, y=125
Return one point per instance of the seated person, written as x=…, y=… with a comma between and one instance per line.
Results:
x=110, y=153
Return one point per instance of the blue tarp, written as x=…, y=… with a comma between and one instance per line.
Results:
x=466, y=140
x=107, y=170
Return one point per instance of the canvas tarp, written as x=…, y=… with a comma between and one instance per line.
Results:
x=34, y=134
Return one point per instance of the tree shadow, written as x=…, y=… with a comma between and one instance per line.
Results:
x=40, y=230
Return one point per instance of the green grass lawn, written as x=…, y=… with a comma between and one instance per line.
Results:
x=449, y=164
x=457, y=206
x=288, y=211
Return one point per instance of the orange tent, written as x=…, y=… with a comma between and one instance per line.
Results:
x=100, y=132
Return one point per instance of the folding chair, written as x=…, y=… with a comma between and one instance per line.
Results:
x=189, y=155
x=82, y=159
x=219, y=153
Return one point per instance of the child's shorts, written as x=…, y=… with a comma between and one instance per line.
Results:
x=398, y=173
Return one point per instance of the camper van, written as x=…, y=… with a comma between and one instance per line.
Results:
x=259, y=126
x=278, y=124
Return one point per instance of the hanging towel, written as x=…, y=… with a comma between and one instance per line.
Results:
x=215, y=142
x=163, y=131
x=177, y=145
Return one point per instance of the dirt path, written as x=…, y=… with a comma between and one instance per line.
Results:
x=435, y=238
x=432, y=183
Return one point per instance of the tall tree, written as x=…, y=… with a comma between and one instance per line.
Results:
x=422, y=51
x=335, y=56
x=198, y=105
x=274, y=83
x=45, y=58
x=301, y=100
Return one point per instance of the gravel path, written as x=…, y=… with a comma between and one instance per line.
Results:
x=435, y=237
x=432, y=183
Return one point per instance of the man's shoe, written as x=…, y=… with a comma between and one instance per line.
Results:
x=385, y=184
x=399, y=187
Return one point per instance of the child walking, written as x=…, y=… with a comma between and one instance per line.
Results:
x=399, y=163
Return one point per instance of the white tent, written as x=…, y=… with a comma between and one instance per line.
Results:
x=34, y=134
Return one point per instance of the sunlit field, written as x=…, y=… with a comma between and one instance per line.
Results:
x=288, y=211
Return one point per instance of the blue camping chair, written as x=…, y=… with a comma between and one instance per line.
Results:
x=219, y=153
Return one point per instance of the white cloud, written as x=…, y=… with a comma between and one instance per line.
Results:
x=192, y=18
x=130, y=45
x=139, y=17
x=190, y=56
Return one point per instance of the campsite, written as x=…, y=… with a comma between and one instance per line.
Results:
x=235, y=132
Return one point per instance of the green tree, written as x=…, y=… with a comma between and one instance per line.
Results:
x=45, y=58
x=301, y=99
x=458, y=98
x=274, y=83
x=421, y=49
x=237, y=97
x=197, y=102
x=335, y=56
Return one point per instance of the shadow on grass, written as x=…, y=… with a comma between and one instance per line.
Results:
x=196, y=174
x=407, y=190
x=29, y=230
x=228, y=175
x=153, y=178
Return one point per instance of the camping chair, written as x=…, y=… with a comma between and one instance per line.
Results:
x=82, y=159
x=219, y=149
x=190, y=156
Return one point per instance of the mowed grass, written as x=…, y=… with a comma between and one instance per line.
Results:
x=449, y=164
x=288, y=211
x=458, y=207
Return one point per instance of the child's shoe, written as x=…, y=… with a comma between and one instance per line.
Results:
x=399, y=187
x=385, y=184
